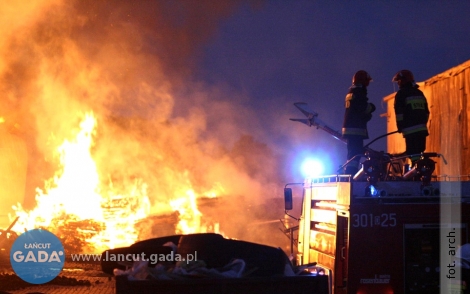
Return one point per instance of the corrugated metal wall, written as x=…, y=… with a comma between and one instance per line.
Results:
x=447, y=94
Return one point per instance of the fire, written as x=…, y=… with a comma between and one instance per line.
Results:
x=73, y=199
x=89, y=215
x=190, y=217
x=159, y=154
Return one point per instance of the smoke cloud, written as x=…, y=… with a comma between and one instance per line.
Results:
x=130, y=64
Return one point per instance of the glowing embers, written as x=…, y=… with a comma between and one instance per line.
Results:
x=77, y=207
x=190, y=217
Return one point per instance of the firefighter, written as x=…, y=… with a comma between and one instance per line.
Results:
x=358, y=111
x=411, y=113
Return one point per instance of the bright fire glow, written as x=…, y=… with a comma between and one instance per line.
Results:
x=78, y=207
x=190, y=217
x=73, y=199
x=136, y=167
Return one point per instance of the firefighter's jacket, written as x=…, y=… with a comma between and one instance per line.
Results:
x=358, y=112
x=411, y=110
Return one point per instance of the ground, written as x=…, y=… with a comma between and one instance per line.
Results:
x=75, y=278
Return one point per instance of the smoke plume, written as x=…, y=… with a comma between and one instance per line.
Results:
x=130, y=63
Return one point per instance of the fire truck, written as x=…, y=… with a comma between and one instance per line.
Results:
x=390, y=228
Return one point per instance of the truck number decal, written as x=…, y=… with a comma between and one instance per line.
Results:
x=364, y=220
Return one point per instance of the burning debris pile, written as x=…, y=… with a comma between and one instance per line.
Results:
x=8, y=237
x=72, y=208
x=74, y=233
x=92, y=93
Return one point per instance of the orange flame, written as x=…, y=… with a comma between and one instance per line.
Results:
x=103, y=217
x=190, y=216
x=74, y=194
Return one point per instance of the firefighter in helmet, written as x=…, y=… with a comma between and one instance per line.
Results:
x=412, y=114
x=357, y=113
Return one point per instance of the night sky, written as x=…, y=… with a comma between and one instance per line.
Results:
x=280, y=52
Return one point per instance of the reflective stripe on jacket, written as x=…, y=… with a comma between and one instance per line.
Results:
x=411, y=110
